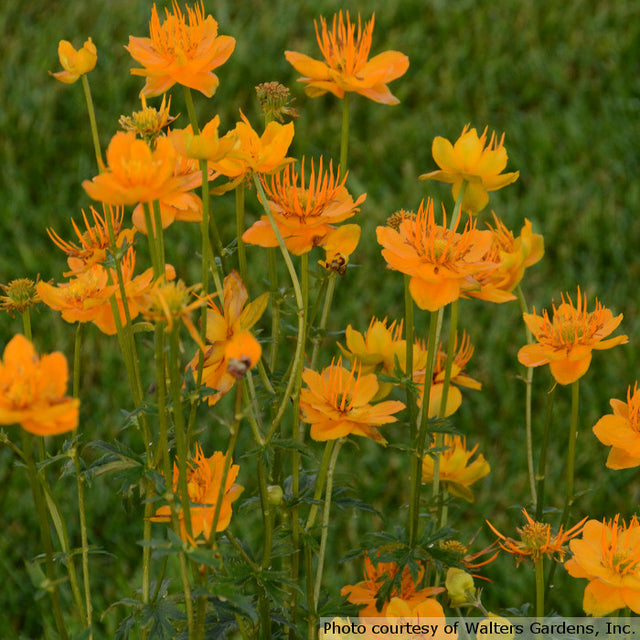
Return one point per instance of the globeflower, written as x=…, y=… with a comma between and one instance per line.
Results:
x=456, y=472
x=621, y=431
x=442, y=263
x=254, y=153
x=204, y=480
x=514, y=255
x=471, y=160
x=346, y=67
x=32, y=390
x=75, y=63
x=375, y=575
x=338, y=245
x=135, y=172
x=337, y=403
x=305, y=212
x=608, y=555
x=537, y=541
x=457, y=378
x=177, y=52
x=231, y=349
x=566, y=341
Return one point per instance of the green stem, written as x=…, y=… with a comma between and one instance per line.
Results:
x=542, y=462
x=528, y=402
x=435, y=319
x=411, y=404
x=76, y=360
x=276, y=304
x=26, y=324
x=324, y=318
x=325, y=524
x=458, y=206
x=92, y=120
x=45, y=533
x=240, y=210
x=539, y=568
x=571, y=452
x=320, y=479
x=344, y=137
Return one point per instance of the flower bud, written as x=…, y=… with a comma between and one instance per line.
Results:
x=460, y=587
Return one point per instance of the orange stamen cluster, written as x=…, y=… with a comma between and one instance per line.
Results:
x=342, y=48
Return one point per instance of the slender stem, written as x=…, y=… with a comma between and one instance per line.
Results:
x=542, y=462
x=571, y=452
x=242, y=254
x=419, y=442
x=92, y=120
x=539, y=568
x=320, y=479
x=344, y=138
x=528, y=402
x=45, y=533
x=295, y=381
x=411, y=405
x=324, y=318
x=276, y=304
x=325, y=523
x=458, y=206
x=26, y=324
x=451, y=344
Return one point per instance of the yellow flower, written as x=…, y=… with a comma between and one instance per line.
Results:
x=460, y=587
x=608, y=555
x=177, y=52
x=305, y=213
x=207, y=145
x=204, y=479
x=254, y=153
x=346, y=67
x=231, y=349
x=621, y=431
x=566, y=341
x=442, y=264
x=471, y=160
x=337, y=403
x=75, y=63
x=537, y=541
x=32, y=390
x=456, y=472
x=338, y=245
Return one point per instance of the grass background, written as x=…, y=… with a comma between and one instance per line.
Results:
x=561, y=79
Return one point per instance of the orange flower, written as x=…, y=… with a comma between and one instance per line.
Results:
x=204, y=478
x=365, y=592
x=565, y=342
x=180, y=204
x=442, y=263
x=135, y=172
x=305, y=215
x=537, y=541
x=455, y=470
x=346, y=67
x=75, y=63
x=454, y=397
x=231, y=348
x=32, y=390
x=180, y=52
x=472, y=161
x=94, y=241
x=398, y=611
x=85, y=297
x=608, y=555
x=253, y=153
x=621, y=431
x=336, y=403
x=513, y=255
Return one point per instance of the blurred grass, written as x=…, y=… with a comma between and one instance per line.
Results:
x=561, y=79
